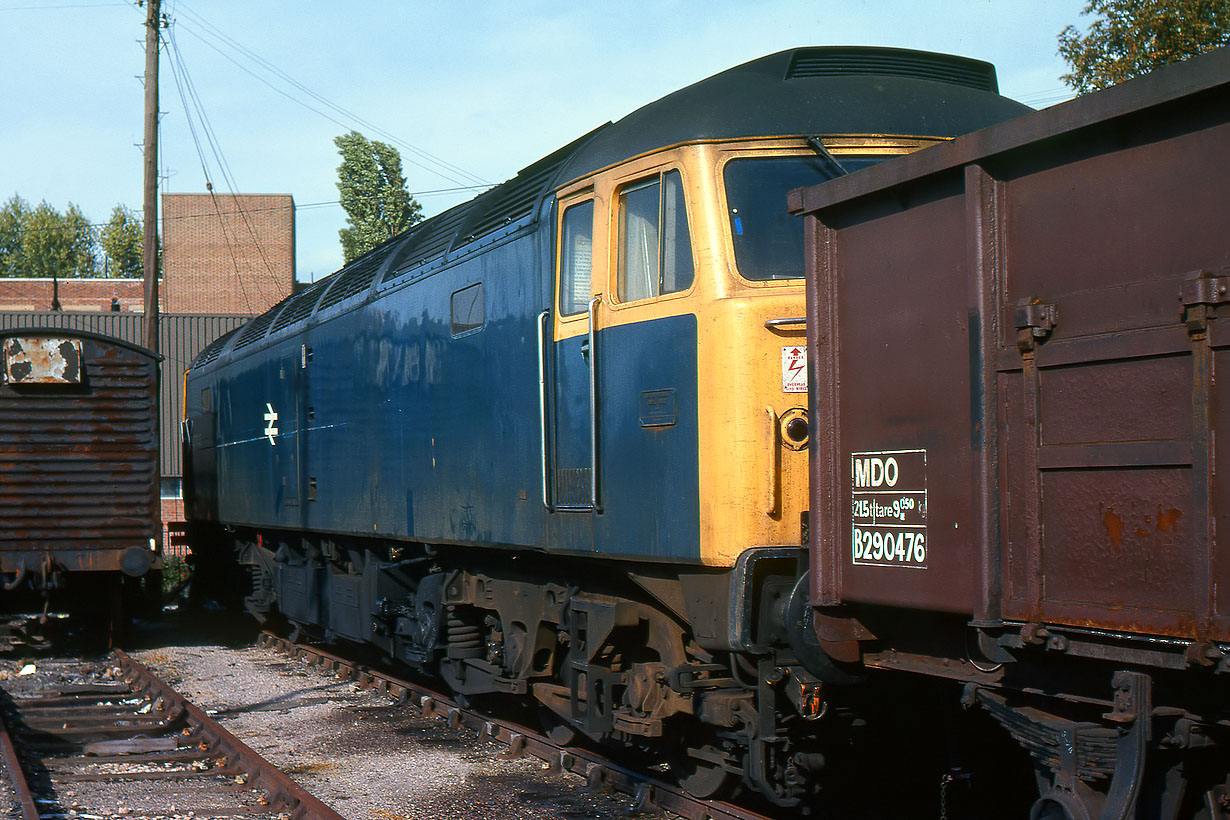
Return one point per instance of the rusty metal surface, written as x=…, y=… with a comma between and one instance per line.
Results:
x=1022, y=307
x=181, y=338
x=79, y=461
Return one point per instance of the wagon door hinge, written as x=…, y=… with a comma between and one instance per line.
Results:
x=1034, y=322
x=1200, y=295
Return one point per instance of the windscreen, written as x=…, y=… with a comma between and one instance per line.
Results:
x=768, y=240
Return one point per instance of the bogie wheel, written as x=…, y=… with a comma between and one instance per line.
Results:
x=560, y=731
x=701, y=774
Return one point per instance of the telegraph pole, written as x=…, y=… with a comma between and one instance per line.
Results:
x=149, y=261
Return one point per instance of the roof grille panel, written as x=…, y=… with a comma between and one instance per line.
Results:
x=838, y=62
x=300, y=307
x=255, y=330
x=430, y=238
x=213, y=350
x=352, y=280
x=509, y=202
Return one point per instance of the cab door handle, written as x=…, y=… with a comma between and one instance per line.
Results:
x=588, y=346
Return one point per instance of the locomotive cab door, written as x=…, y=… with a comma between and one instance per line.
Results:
x=620, y=472
x=571, y=477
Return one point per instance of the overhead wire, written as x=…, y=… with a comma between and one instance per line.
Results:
x=224, y=168
x=1042, y=99
x=193, y=105
x=186, y=91
x=442, y=168
x=304, y=206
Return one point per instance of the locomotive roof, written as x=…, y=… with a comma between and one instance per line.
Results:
x=812, y=91
x=800, y=92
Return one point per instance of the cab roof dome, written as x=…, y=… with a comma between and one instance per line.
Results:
x=811, y=91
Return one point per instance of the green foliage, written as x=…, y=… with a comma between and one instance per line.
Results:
x=175, y=573
x=1133, y=37
x=12, y=216
x=373, y=194
x=58, y=244
x=122, y=241
x=42, y=242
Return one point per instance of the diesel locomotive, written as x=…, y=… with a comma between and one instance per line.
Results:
x=552, y=443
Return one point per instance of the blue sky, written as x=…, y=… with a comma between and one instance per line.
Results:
x=480, y=89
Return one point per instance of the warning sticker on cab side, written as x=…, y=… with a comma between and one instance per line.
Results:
x=794, y=369
x=889, y=510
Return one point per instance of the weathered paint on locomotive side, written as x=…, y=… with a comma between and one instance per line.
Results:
x=446, y=426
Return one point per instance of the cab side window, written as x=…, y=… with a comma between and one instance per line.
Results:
x=655, y=246
x=576, y=258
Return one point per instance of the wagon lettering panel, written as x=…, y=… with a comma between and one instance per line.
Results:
x=889, y=508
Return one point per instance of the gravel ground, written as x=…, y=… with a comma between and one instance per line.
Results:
x=361, y=753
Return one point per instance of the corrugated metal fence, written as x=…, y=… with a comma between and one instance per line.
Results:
x=181, y=337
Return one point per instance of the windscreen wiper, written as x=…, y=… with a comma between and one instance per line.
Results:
x=831, y=164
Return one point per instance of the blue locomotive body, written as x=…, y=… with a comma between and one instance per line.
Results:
x=379, y=419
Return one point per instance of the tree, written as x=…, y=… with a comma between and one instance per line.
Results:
x=42, y=242
x=122, y=242
x=55, y=244
x=12, y=217
x=373, y=193
x=1133, y=37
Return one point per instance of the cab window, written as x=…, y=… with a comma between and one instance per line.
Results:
x=655, y=246
x=576, y=258
x=768, y=241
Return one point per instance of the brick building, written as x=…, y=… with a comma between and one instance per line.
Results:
x=225, y=253
x=74, y=294
x=221, y=254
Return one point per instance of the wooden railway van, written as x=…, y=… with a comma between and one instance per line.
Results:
x=78, y=456
x=1015, y=340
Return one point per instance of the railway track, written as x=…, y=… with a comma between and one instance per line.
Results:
x=651, y=794
x=125, y=744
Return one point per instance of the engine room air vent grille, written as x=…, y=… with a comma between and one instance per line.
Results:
x=430, y=239
x=213, y=350
x=353, y=280
x=830, y=62
x=300, y=307
x=510, y=202
x=254, y=330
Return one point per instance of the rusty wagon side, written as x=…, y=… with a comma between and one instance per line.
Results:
x=79, y=478
x=1014, y=341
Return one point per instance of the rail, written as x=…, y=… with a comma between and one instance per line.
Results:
x=141, y=721
x=599, y=773
x=284, y=793
x=21, y=786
